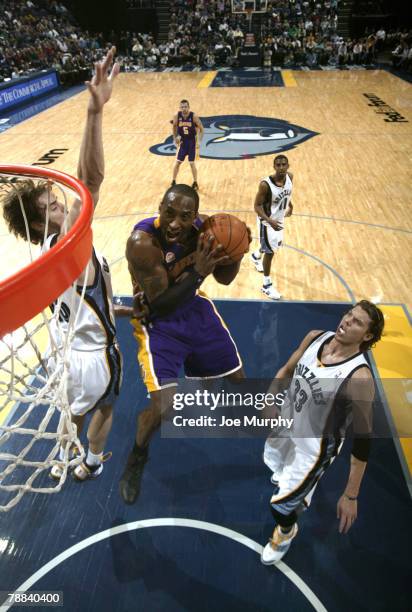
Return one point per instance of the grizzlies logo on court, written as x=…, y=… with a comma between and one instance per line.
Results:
x=242, y=137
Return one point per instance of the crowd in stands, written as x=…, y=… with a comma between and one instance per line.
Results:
x=400, y=41
x=41, y=34
x=38, y=34
x=290, y=33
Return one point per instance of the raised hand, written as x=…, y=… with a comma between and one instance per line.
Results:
x=101, y=85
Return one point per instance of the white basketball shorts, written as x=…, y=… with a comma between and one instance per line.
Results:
x=94, y=378
x=270, y=239
x=296, y=472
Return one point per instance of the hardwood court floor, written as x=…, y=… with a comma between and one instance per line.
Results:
x=350, y=235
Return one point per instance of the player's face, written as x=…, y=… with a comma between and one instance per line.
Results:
x=51, y=207
x=184, y=107
x=177, y=214
x=354, y=327
x=281, y=166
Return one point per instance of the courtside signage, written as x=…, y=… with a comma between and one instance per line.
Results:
x=26, y=89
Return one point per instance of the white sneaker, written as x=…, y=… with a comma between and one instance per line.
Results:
x=271, y=292
x=257, y=262
x=85, y=472
x=56, y=471
x=278, y=546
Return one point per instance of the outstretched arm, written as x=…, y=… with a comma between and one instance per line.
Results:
x=91, y=160
x=90, y=168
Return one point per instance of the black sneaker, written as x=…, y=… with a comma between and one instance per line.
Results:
x=195, y=186
x=173, y=183
x=132, y=476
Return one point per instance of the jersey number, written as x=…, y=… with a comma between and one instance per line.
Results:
x=64, y=311
x=186, y=131
x=299, y=396
x=283, y=204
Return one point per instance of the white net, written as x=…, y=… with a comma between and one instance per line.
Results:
x=34, y=409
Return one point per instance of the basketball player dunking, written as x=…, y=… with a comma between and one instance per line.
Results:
x=331, y=386
x=185, y=127
x=168, y=260
x=272, y=204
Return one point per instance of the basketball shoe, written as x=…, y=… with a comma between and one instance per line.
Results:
x=84, y=471
x=278, y=545
x=271, y=292
x=257, y=262
x=195, y=186
x=57, y=470
x=132, y=476
x=173, y=183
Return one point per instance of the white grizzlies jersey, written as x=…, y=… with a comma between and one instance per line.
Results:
x=95, y=325
x=318, y=408
x=280, y=198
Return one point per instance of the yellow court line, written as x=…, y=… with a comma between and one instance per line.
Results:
x=207, y=79
x=393, y=357
x=288, y=78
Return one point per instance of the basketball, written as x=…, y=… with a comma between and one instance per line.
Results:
x=230, y=232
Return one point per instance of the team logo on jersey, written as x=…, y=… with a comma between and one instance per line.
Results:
x=169, y=257
x=242, y=137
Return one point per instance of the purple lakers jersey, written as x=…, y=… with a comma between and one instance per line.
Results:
x=176, y=257
x=186, y=128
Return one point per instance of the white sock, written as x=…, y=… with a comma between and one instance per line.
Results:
x=61, y=454
x=266, y=281
x=93, y=459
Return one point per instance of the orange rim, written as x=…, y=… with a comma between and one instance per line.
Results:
x=34, y=287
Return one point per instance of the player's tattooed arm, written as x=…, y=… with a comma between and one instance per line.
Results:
x=146, y=267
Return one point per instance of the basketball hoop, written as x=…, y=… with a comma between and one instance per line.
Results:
x=41, y=282
x=34, y=409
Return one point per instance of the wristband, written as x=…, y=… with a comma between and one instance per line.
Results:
x=198, y=278
x=349, y=497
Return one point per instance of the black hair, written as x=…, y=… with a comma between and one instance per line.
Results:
x=280, y=156
x=184, y=190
